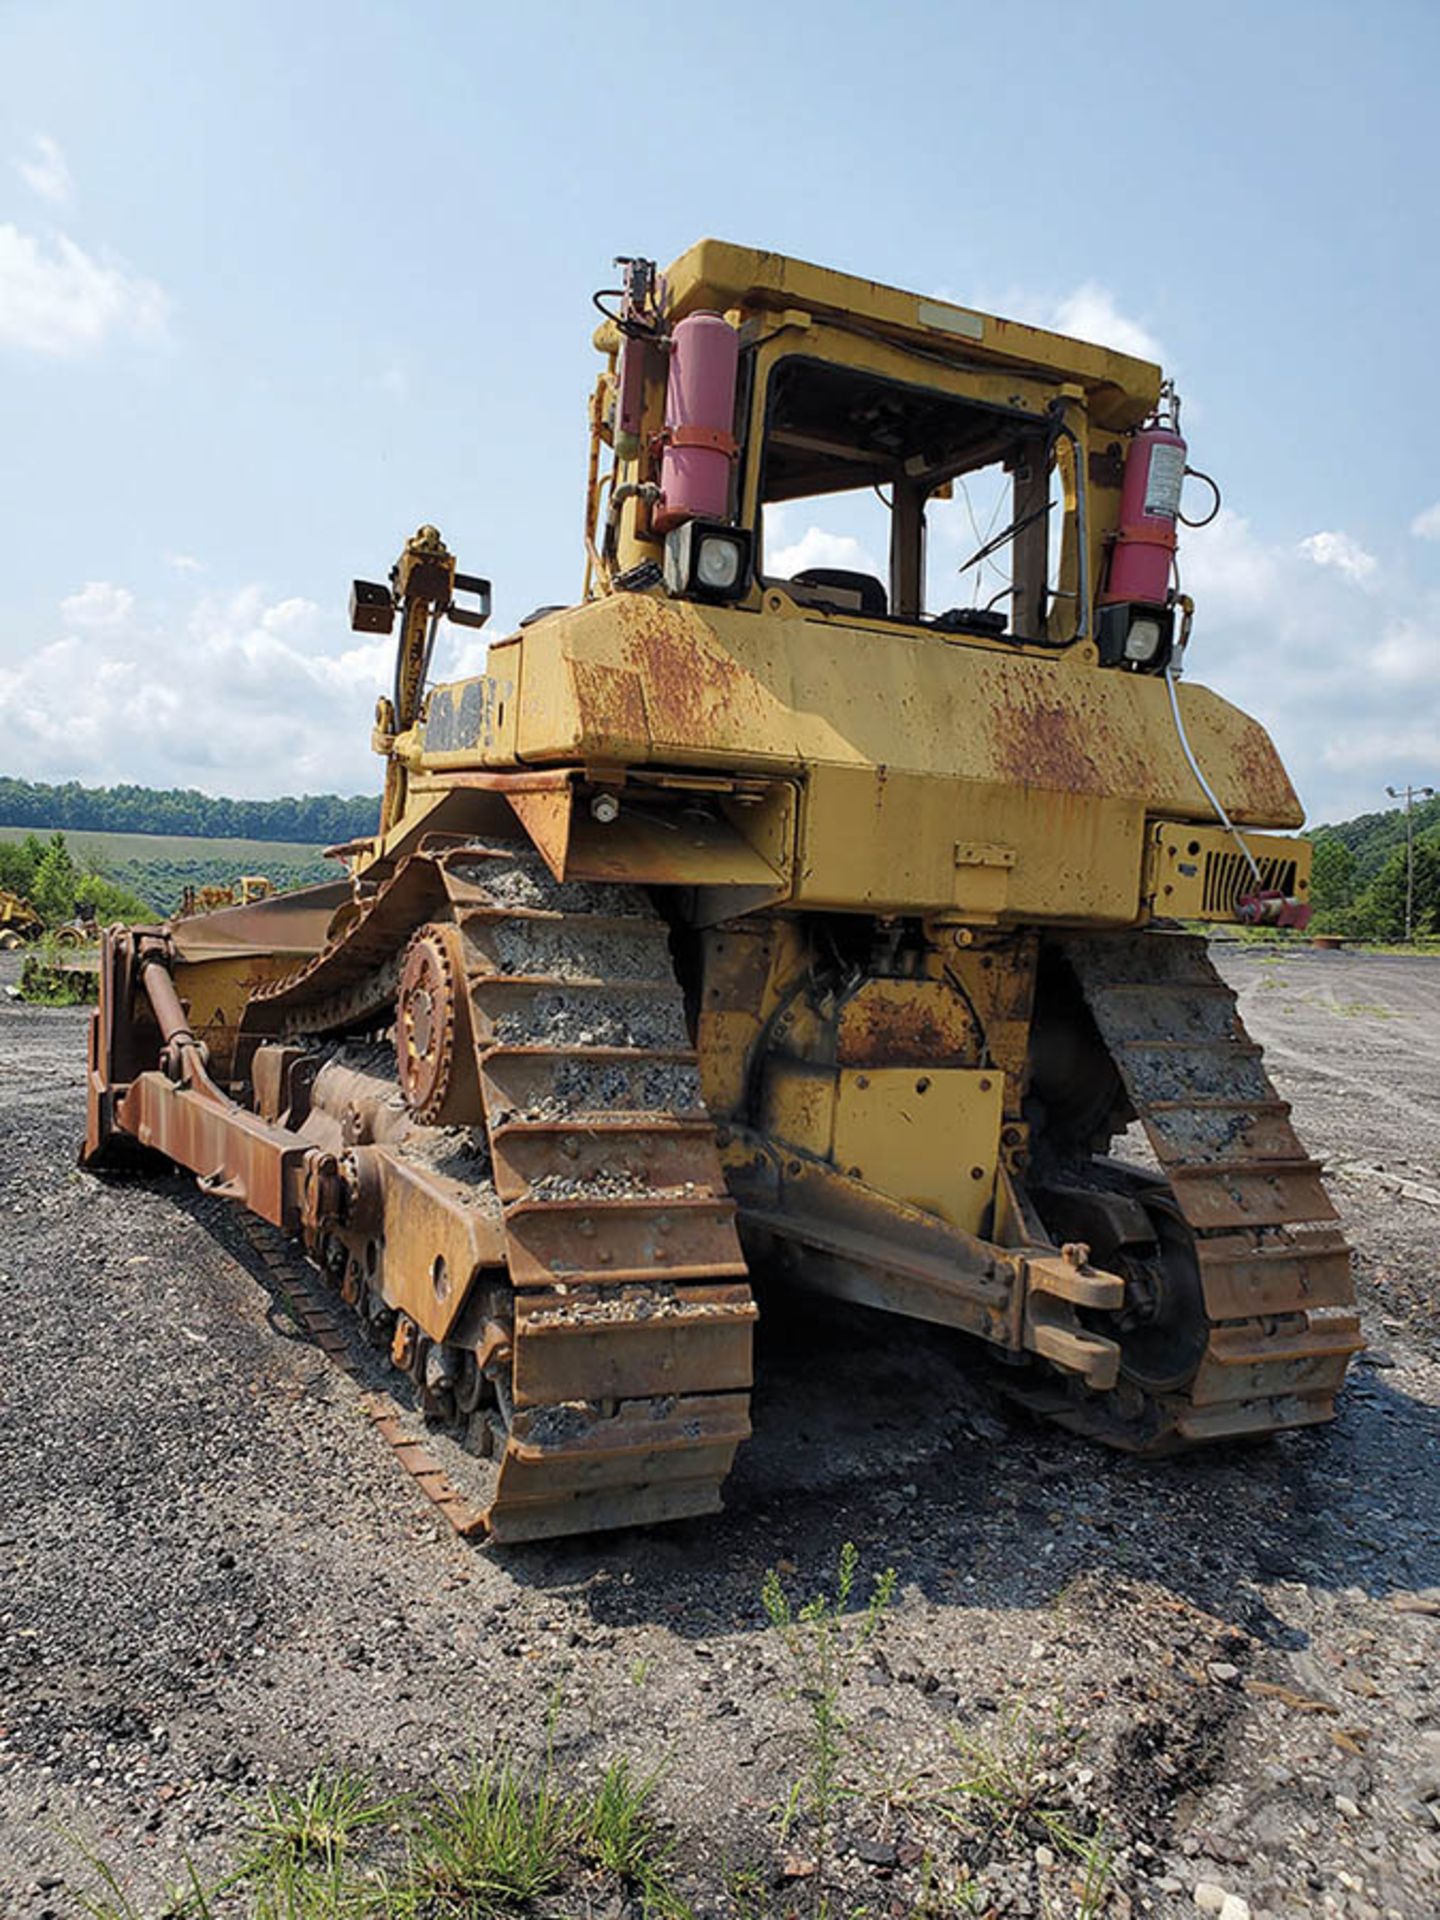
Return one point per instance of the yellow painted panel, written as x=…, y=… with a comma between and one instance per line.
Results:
x=988, y=852
x=1198, y=873
x=641, y=679
x=717, y=275
x=800, y=1105
x=935, y=1148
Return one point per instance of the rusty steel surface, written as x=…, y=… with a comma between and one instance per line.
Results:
x=617, y=1221
x=906, y=1022
x=284, y=923
x=433, y=1044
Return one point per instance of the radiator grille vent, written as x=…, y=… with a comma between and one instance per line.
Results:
x=1228, y=879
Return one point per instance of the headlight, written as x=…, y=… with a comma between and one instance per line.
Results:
x=707, y=561
x=1138, y=638
x=1142, y=642
x=717, y=565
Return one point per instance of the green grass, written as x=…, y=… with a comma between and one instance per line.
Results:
x=317, y=1822
x=622, y=1834
x=501, y=1841
x=1011, y=1792
x=497, y=1840
x=1009, y=1778
x=824, y=1639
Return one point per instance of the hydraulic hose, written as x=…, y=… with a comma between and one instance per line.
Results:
x=1205, y=786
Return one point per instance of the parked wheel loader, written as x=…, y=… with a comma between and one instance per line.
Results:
x=807, y=927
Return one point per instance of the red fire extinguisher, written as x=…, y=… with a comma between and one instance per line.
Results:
x=1145, y=541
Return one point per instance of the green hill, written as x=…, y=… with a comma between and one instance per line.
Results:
x=131, y=851
x=1359, y=885
x=1373, y=837
x=140, y=875
x=311, y=819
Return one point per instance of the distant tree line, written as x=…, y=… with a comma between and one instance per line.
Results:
x=318, y=819
x=1358, y=885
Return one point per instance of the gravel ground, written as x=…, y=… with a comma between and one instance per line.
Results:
x=213, y=1575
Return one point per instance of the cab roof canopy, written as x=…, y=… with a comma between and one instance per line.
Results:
x=716, y=276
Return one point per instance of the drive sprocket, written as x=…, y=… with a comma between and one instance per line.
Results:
x=433, y=1050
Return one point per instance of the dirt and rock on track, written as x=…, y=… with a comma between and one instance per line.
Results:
x=214, y=1574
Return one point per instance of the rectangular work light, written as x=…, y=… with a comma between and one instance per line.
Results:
x=1140, y=638
x=707, y=562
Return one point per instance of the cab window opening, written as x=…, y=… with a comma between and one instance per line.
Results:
x=874, y=494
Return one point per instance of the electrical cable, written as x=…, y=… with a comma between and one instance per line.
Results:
x=980, y=538
x=1194, y=473
x=1205, y=787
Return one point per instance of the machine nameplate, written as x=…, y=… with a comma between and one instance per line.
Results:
x=948, y=319
x=467, y=714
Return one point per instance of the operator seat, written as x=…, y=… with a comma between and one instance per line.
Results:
x=862, y=592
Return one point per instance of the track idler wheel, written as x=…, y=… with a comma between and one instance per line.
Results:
x=1137, y=1232
x=434, y=1051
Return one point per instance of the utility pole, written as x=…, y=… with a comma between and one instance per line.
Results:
x=1408, y=795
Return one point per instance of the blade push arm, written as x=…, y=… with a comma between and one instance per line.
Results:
x=422, y=589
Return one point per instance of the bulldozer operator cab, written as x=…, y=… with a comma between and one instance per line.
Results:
x=748, y=396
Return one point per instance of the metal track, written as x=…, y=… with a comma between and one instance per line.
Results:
x=1275, y=1276
x=633, y=1319
x=630, y=1340
x=304, y=1291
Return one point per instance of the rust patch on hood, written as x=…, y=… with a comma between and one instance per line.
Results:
x=1044, y=743
x=695, y=694
x=612, y=708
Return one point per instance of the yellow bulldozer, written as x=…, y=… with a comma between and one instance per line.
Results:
x=244, y=892
x=19, y=921
x=736, y=923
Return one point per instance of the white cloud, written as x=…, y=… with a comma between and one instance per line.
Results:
x=1426, y=525
x=46, y=172
x=184, y=563
x=1087, y=312
x=1376, y=750
x=99, y=603
x=1408, y=655
x=61, y=300
x=817, y=548
x=1228, y=566
x=246, y=693
x=1348, y=688
x=1091, y=313
x=1342, y=552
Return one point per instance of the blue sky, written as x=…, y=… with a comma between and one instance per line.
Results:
x=278, y=282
